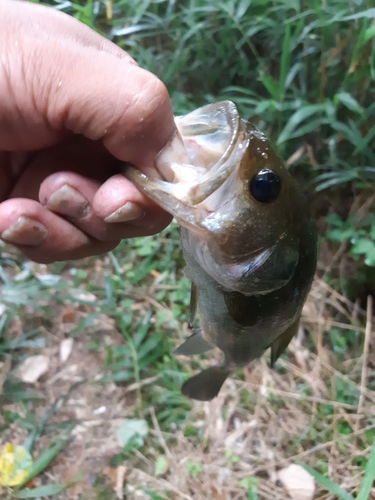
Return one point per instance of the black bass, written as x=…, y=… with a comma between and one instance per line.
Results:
x=247, y=235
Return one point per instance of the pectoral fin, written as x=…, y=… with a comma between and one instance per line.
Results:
x=281, y=343
x=195, y=344
x=244, y=310
x=206, y=385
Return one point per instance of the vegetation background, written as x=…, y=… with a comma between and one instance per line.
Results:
x=106, y=419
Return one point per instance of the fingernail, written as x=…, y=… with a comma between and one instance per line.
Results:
x=68, y=201
x=25, y=231
x=128, y=212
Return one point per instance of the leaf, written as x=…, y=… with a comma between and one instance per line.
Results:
x=153, y=495
x=292, y=73
x=307, y=128
x=5, y=367
x=369, y=33
x=48, y=279
x=348, y=100
x=132, y=429
x=161, y=465
x=149, y=345
x=334, y=220
x=369, y=13
x=299, y=483
x=339, y=235
x=270, y=84
x=368, y=478
x=298, y=117
x=21, y=341
x=333, y=488
x=335, y=179
x=15, y=465
x=33, y=368
x=84, y=323
x=45, y=458
x=66, y=347
x=83, y=296
x=285, y=60
x=251, y=485
x=362, y=246
x=46, y=490
x=120, y=376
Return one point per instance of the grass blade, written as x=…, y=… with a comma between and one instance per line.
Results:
x=368, y=14
x=349, y=101
x=297, y=118
x=369, y=477
x=47, y=456
x=333, y=488
x=285, y=61
x=271, y=85
x=46, y=490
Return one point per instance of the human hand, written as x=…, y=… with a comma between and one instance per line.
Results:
x=73, y=107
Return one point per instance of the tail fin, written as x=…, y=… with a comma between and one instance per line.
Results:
x=207, y=384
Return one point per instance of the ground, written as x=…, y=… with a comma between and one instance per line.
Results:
x=317, y=407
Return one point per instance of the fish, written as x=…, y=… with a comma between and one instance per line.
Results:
x=247, y=235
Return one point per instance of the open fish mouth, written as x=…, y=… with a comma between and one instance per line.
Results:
x=212, y=142
x=210, y=135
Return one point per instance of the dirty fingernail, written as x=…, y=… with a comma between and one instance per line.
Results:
x=25, y=231
x=128, y=212
x=67, y=201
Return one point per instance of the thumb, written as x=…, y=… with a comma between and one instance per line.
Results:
x=61, y=77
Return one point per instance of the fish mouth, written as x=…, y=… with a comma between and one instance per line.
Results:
x=198, y=164
x=215, y=140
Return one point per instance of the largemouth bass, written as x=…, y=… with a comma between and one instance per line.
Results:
x=247, y=235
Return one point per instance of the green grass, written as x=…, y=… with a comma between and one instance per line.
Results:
x=366, y=486
x=305, y=69
x=304, y=72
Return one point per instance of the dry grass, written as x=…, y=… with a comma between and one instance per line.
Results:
x=315, y=408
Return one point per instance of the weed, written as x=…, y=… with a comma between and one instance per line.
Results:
x=366, y=486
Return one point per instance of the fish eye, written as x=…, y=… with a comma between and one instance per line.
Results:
x=265, y=186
